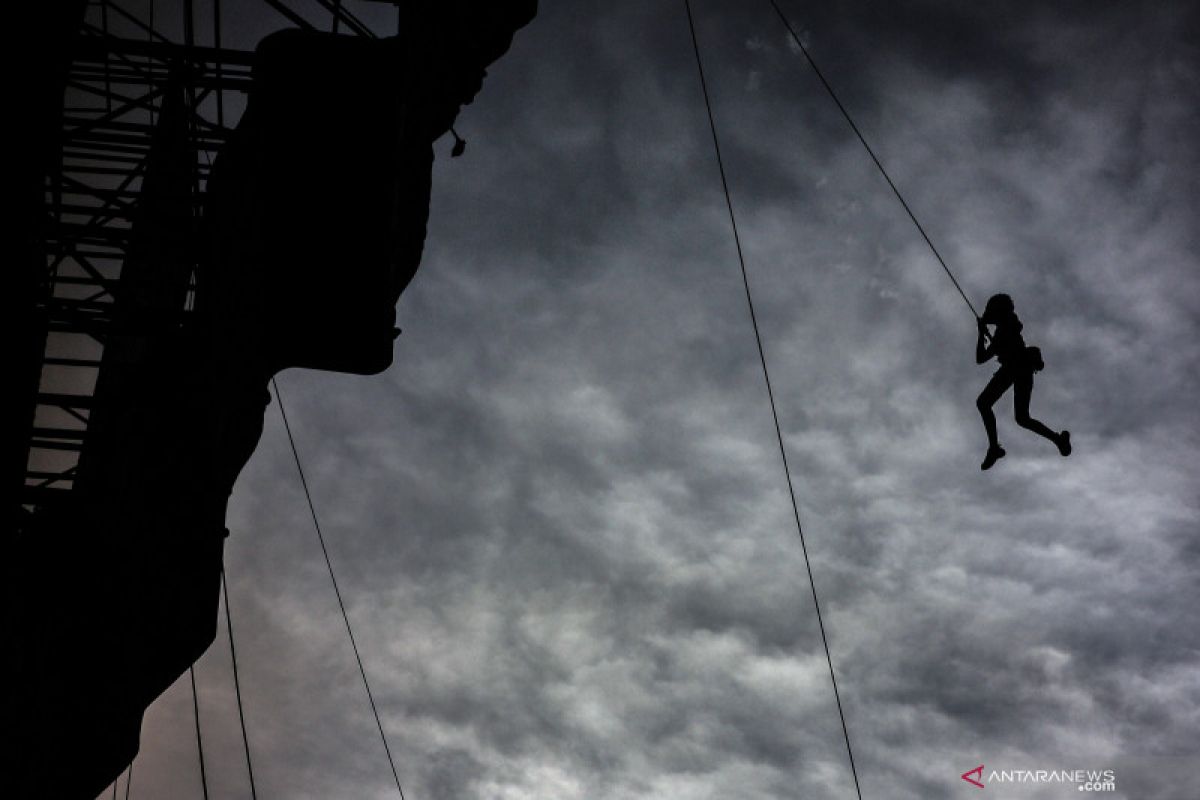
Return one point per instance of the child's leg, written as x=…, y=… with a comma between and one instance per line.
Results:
x=996, y=387
x=1022, y=392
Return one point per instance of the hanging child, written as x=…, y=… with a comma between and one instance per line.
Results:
x=1017, y=365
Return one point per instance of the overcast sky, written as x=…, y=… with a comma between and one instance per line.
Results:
x=560, y=520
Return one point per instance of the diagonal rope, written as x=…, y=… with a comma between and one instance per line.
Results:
x=821, y=76
x=199, y=738
x=237, y=684
x=341, y=605
x=770, y=393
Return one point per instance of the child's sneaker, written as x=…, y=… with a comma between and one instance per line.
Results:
x=1064, y=443
x=994, y=454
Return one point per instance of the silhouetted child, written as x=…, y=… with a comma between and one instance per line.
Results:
x=1017, y=365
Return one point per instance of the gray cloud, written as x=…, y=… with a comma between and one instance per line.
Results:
x=560, y=521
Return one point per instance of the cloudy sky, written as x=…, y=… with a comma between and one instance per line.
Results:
x=560, y=520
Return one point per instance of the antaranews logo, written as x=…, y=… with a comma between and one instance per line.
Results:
x=978, y=773
x=1085, y=780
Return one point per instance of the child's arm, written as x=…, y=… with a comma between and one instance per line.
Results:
x=983, y=350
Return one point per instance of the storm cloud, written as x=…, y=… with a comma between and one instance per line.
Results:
x=560, y=520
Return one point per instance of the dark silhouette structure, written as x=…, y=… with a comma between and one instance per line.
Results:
x=313, y=222
x=1018, y=363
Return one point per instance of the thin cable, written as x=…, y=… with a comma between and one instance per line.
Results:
x=199, y=738
x=771, y=394
x=216, y=9
x=237, y=684
x=882, y=171
x=345, y=617
x=150, y=34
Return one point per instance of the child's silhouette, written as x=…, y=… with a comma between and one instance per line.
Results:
x=1017, y=365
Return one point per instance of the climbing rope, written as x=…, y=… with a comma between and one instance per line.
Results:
x=821, y=76
x=128, y=780
x=341, y=605
x=199, y=738
x=237, y=684
x=770, y=393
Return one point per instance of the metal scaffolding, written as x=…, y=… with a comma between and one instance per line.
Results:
x=122, y=62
